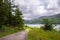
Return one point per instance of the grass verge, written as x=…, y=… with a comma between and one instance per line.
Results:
x=8, y=31
x=40, y=34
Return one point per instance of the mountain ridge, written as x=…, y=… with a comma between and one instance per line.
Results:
x=56, y=18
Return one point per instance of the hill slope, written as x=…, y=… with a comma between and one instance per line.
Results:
x=56, y=19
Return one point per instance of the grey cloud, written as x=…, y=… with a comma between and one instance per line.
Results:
x=30, y=7
x=59, y=3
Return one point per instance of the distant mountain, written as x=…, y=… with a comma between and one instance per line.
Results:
x=56, y=19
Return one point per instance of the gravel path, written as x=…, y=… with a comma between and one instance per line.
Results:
x=17, y=36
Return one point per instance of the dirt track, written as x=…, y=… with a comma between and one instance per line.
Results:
x=17, y=36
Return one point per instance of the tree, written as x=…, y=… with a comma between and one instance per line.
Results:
x=48, y=24
x=19, y=19
x=3, y=12
x=6, y=16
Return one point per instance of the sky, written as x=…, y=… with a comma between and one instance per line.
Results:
x=32, y=9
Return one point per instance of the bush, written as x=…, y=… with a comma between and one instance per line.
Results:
x=48, y=24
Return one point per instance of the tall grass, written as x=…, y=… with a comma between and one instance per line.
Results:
x=40, y=34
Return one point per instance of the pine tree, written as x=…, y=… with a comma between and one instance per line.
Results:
x=3, y=12
x=6, y=16
x=19, y=19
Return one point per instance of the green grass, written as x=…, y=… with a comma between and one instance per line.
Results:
x=40, y=34
x=8, y=31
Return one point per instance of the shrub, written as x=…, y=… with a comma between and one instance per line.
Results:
x=48, y=24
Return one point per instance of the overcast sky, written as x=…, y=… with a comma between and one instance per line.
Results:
x=37, y=8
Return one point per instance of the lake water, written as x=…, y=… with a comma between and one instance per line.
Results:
x=57, y=27
x=35, y=25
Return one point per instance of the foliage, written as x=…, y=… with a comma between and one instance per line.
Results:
x=6, y=16
x=48, y=24
x=18, y=17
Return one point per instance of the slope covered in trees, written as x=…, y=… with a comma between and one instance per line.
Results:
x=55, y=18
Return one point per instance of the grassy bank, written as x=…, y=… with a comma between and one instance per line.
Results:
x=8, y=31
x=39, y=34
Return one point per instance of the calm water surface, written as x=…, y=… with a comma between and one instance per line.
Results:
x=57, y=26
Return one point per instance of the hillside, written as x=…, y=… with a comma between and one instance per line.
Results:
x=56, y=19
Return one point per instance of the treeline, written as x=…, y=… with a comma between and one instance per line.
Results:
x=9, y=16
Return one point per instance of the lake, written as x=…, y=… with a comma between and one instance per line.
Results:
x=57, y=27
x=34, y=25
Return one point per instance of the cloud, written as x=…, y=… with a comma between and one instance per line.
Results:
x=40, y=10
x=37, y=8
